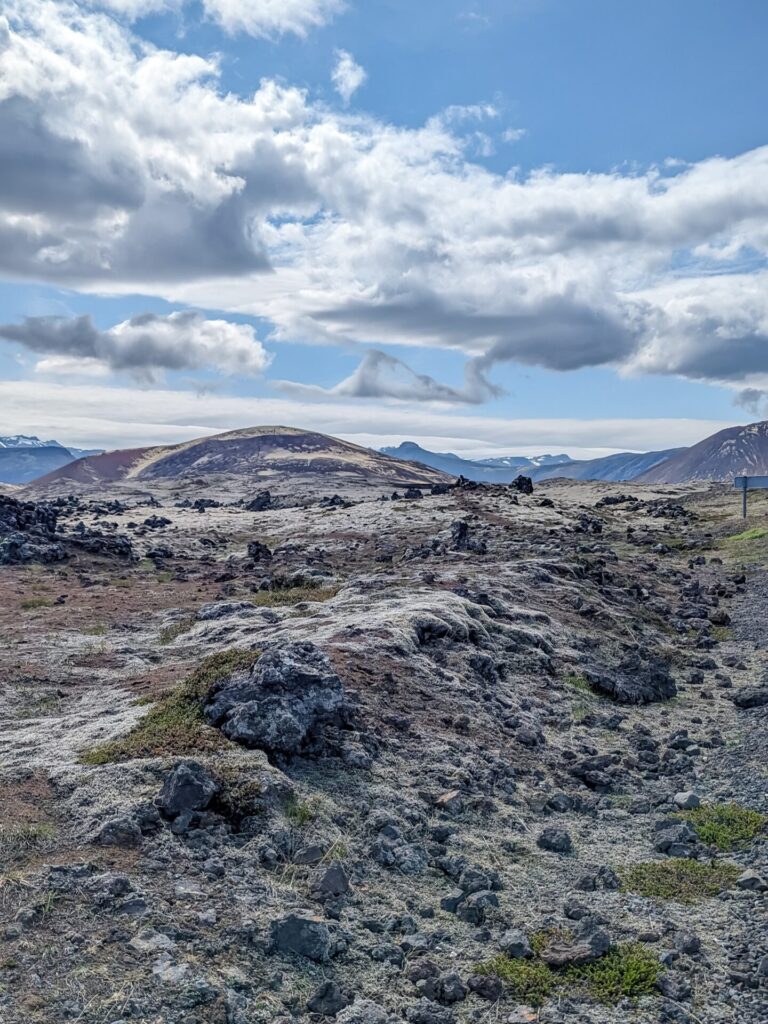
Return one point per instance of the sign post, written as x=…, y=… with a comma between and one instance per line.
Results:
x=749, y=483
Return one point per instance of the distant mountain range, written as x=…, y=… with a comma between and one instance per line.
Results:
x=624, y=466
x=729, y=453
x=24, y=458
x=260, y=451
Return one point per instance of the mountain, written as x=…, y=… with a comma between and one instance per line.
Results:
x=27, y=441
x=454, y=465
x=620, y=467
x=23, y=458
x=623, y=466
x=736, y=451
x=513, y=461
x=256, y=456
x=25, y=463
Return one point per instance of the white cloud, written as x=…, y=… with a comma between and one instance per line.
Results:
x=92, y=414
x=347, y=75
x=272, y=17
x=127, y=168
x=381, y=376
x=144, y=346
x=261, y=18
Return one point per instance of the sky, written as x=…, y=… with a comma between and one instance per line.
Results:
x=490, y=226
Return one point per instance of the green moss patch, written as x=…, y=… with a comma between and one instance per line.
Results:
x=627, y=971
x=726, y=826
x=753, y=534
x=679, y=879
x=176, y=725
x=527, y=981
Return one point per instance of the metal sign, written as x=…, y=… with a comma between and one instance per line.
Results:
x=749, y=483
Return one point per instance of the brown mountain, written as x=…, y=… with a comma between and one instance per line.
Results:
x=263, y=456
x=736, y=451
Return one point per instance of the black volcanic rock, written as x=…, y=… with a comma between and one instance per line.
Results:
x=284, y=705
x=636, y=680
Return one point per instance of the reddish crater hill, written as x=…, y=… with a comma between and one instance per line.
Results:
x=261, y=453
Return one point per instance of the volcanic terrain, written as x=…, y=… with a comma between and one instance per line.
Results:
x=312, y=743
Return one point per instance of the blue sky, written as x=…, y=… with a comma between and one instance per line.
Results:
x=549, y=219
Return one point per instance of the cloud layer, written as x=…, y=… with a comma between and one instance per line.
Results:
x=95, y=415
x=144, y=346
x=126, y=167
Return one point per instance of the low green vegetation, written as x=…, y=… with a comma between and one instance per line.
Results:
x=679, y=879
x=726, y=826
x=527, y=981
x=722, y=633
x=31, y=603
x=176, y=629
x=18, y=840
x=176, y=725
x=300, y=812
x=99, y=629
x=581, y=683
x=627, y=971
x=293, y=595
x=755, y=533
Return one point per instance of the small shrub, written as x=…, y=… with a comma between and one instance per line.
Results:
x=529, y=981
x=726, y=826
x=293, y=595
x=722, y=633
x=627, y=971
x=176, y=724
x=18, y=840
x=300, y=812
x=176, y=629
x=679, y=879
x=100, y=629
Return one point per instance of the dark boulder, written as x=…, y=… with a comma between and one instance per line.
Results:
x=285, y=704
x=189, y=787
x=522, y=484
x=262, y=501
x=636, y=680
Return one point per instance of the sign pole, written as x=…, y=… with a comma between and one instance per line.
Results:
x=744, y=500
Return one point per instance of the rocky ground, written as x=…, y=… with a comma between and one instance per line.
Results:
x=478, y=755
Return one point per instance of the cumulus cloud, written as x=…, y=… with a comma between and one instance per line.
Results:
x=382, y=376
x=135, y=171
x=144, y=346
x=261, y=18
x=347, y=75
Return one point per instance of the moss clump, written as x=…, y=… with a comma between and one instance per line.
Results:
x=293, y=595
x=755, y=533
x=679, y=879
x=581, y=683
x=627, y=971
x=726, y=826
x=528, y=981
x=31, y=603
x=176, y=724
x=176, y=629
